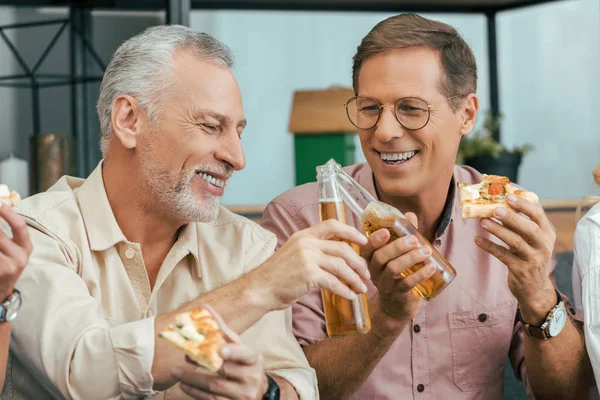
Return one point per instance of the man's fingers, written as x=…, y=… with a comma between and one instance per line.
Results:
x=197, y=377
x=203, y=384
x=337, y=267
x=240, y=353
x=18, y=227
x=531, y=210
x=332, y=228
x=10, y=248
x=330, y=282
x=347, y=254
x=399, y=265
x=520, y=224
x=501, y=253
x=236, y=371
x=200, y=394
x=394, y=250
x=517, y=243
x=420, y=276
x=412, y=218
x=376, y=240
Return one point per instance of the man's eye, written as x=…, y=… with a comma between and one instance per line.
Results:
x=208, y=127
x=369, y=109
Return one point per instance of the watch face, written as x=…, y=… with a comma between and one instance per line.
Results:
x=558, y=322
x=13, y=307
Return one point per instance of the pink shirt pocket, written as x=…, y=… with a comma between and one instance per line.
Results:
x=480, y=343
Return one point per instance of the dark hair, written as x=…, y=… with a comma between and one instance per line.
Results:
x=411, y=30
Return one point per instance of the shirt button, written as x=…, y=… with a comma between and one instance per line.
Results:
x=482, y=317
x=420, y=387
x=130, y=253
x=417, y=328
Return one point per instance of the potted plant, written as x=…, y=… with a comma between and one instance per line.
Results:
x=481, y=151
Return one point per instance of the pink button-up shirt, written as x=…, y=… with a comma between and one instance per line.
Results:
x=457, y=344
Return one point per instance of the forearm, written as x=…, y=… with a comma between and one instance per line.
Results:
x=4, y=347
x=559, y=368
x=240, y=303
x=343, y=364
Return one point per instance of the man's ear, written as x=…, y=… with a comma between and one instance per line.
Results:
x=127, y=120
x=469, y=114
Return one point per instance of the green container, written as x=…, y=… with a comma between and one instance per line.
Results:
x=312, y=150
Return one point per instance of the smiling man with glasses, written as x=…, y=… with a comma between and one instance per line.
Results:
x=415, y=82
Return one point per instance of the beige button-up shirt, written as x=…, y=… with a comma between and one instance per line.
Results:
x=457, y=344
x=86, y=328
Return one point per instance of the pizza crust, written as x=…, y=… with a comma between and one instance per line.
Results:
x=201, y=334
x=478, y=207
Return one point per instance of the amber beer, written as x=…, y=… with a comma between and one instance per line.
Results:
x=343, y=317
x=379, y=215
x=375, y=215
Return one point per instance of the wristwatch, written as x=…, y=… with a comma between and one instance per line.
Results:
x=552, y=326
x=273, y=390
x=10, y=307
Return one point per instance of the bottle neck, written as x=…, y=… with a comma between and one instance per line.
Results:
x=328, y=185
x=352, y=193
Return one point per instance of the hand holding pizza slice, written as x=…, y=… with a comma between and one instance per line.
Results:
x=231, y=370
x=480, y=200
x=201, y=334
x=526, y=236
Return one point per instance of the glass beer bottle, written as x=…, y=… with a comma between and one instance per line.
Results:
x=375, y=215
x=342, y=317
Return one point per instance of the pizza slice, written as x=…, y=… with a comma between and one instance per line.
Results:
x=7, y=197
x=480, y=200
x=201, y=334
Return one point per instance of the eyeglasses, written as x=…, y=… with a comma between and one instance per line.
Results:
x=411, y=112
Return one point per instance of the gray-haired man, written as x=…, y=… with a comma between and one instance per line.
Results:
x=143, y=237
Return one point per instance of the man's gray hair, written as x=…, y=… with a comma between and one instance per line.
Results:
x=140, y=68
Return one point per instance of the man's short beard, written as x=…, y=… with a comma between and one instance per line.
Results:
x=173, y=193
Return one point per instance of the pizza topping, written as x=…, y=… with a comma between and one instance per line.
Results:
x=190, y=332
x=496, y=189
x=470, y=192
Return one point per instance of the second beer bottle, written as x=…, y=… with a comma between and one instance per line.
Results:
x=342, y=317
x=375, y=215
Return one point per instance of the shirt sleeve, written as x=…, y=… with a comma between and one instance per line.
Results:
x=517, y=347
x=586, y=264
x=272, y=336
x=308, y=316
x=63, y=336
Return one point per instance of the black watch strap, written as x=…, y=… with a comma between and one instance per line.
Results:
x=273, y=390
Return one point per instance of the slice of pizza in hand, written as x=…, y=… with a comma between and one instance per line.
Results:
x=8, y=197
x=480, y=200
x=201, y=334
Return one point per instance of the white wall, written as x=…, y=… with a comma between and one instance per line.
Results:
x=549, y=86
x=280, y=52
x=550, y=94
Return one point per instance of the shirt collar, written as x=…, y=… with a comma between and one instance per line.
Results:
x=188, y=240
x=100, y=223
x=103, y=230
